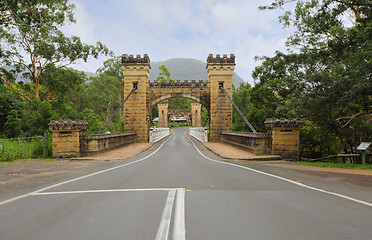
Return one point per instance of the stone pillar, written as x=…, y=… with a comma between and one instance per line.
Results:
x=136, y=72
x=196, y=114
x=285, y=136
x=163, y=114
x=67, y=137
x=220, y=72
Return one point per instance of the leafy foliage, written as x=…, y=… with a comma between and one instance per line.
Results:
x=326, y=79
x=164, y=75
x=32, y=45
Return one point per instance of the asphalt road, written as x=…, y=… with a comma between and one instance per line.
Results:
x=178, y=190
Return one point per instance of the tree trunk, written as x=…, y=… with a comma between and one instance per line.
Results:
x=37, y=87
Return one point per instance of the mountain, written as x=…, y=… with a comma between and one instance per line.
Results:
x=186, y=69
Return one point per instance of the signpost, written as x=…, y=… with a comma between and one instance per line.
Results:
x=363, y=147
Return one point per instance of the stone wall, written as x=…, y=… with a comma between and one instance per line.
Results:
x=69, y=139
x=66, y=137
x=257, y=143
x=98, y=143
x=285, y=136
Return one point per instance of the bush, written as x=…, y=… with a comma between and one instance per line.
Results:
x=13, y=149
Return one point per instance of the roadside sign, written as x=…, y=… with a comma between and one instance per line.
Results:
x=363, y=146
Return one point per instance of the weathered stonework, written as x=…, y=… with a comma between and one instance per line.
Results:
x=220, y=71
x=207, y=93
x=136, y=72
x=66, y=137
x=98, y=143
x=196, y=114
x=257, y=143
x=69, y=139
x=285, y=136
x=179, y=113
x=197, y=91
x=163, y=114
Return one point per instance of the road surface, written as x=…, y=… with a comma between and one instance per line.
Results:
x=178, y=190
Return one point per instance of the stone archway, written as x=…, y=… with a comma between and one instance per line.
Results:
x=147, y=94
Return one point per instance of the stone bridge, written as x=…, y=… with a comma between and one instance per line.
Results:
x=282, y=137
x=136, y=70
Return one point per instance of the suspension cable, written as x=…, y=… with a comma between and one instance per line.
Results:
x=117, y=110
x=237, y=109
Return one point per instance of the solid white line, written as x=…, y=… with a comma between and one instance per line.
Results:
x=101, y=191
x=163, y=229
x=79, y=178
x=288, y=180
x=179, y=232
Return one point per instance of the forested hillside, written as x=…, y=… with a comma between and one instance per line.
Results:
x=186, y=69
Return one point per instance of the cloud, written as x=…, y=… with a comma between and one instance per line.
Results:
x=185, y=28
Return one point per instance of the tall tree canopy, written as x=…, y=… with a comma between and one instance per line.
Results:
x=326, y=77
x=33, y=45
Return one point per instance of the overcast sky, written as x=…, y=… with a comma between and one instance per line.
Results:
x=167, y=29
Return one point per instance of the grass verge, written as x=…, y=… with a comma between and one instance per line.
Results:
x=336, y=165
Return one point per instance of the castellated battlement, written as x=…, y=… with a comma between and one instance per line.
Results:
x=221, y=60
x=138, y=60
x=179, y=84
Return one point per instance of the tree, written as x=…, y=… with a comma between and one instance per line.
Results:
x=164, y=75
x=327, y=77
x=33, y=44
x=104, y=93
x=335, y=48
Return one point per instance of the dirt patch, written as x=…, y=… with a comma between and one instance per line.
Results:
x=230, y=152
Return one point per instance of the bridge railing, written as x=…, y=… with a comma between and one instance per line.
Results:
x=156, y=134
x=69, y=139
x=257, y=143
x=98, y=143
x=200, y=133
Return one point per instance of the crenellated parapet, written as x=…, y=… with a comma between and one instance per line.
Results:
x=221, y=60
x=179, y=84
x=78, y=125
x=283, y=123
x=138, y=60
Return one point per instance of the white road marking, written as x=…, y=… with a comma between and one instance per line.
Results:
x=286, y=179
x=79, y=178
x=179, y=232
x=102, y=191
x=163, y=229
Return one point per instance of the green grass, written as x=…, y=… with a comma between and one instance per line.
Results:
x=336, y=165
x=12, y=150
x=179, y=125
